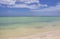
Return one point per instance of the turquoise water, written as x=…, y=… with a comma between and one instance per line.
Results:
x=6, y=21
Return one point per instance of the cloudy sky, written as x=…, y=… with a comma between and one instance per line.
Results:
x=29, y=7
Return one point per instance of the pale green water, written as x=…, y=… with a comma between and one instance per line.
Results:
x=25, y=21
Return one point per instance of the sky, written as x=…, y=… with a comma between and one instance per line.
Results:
x=29, y=7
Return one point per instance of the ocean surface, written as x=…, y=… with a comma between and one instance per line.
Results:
x=27, y=21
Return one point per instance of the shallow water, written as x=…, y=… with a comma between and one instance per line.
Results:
x=28, y=21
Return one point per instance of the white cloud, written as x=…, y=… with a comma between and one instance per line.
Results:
x=50, y=9
x=29, y=1
x=24, y=4
x=8, y=2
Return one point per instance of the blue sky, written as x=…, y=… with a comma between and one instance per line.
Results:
x=29, y=7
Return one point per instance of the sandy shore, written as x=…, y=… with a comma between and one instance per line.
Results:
x=45, y=35
x=31, y=33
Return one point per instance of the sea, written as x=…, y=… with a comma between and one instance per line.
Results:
x=25, y=22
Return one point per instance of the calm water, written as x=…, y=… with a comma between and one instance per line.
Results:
x=9, y=21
